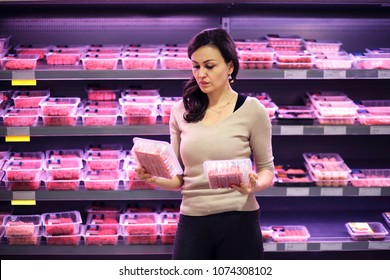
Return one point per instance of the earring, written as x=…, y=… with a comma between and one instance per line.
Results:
x=230, y=78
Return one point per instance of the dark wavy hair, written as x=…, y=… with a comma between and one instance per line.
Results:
x=196, y=102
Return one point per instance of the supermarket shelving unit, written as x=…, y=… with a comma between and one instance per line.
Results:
x=358, y=24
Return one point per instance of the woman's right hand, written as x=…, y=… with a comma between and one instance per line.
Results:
x=144, y=176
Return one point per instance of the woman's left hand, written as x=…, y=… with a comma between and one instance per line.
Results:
x=247, y=189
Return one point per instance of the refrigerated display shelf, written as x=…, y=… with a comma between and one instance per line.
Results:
x=83, y=195
x=163, y=129
x=77, y=73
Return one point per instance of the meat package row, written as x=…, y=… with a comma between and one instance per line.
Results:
x=285, y=52
x=107, y=228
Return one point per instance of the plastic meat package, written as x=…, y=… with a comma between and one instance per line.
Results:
x=296, y=233
x=224, y=173
x=361, y=231
x=157, y=157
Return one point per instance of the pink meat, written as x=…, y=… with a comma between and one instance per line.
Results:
x=63, y=240
x=62, y=185
x=172, y=63
x=139, y=120
x=100, y=64
x=56, y=110
x=20, y=64
x=141, y=239
x=255, y=65
x=19, y=228
x=24, y=186
x=23, y=240
x=101, y=95
x=63, y=59
x=20, y=121
x=61, y=226
x=144, y=64
x=101, y=120
x=158, y=165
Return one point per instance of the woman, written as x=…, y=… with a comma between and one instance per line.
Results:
x=213, y=122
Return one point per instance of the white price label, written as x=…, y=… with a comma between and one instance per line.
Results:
x=331, y=191
x=295, y=74
x=291, y=130
x=298, y=191
x=296, y=247
x=384, y=74
x=335, y=74
x=381, y=245
x=331, y=246
x=380, y=129
x=369, y=191
x=335, y=130
x=269, y=247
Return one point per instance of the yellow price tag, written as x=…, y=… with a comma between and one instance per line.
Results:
x=24, y=82
x=17, y=138
x=23, y=202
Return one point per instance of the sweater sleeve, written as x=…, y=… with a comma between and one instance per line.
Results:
x=261, y=138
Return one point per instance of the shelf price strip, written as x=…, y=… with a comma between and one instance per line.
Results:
x=295, y=74
x=17, y=134
x=384, y=74
x=335, y=74
x=23, y=78
x=23, y=198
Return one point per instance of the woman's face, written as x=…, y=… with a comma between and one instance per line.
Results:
x=210, y=69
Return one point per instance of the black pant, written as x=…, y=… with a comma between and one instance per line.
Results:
x=230, y=235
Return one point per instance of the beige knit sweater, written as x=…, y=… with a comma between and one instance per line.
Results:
x=245, y=131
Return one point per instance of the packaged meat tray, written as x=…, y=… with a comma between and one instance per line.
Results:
x=99, y=235
x=21, y=225
x=294, y=57
x=23, y=170
x=257, y=55
x=34, y=239
x=361, y=231
x=336, y=109
x=29, y=98
x=323, y=158
x=334, y=62
x=169, y=222
x=61, y=185
x=377, y=106
x=334, y=182
x=289, y=170
x=132, y=107
x=224, y=173
x=322, y=46
x=74, y=154
x=24, y=62
x=39, y=50
x=60, y=121
x=266, y=233
x=167, y=104
x=271, y=108
x=141, y=95
x=293, y=180
x=70, y=48
x=139, y=61
x=140, y=228
x=98, y=93
x=61, y=223
x=100, y=61
x=103, y=160
x=107, y=180
x=386, y=216
x=334, y=120
x=64, y=168
x=104, y=221
x=295, y=115
x=251, y=44
x=100, y=117
x=20, y=117
x=4, y=42
x=256, y=64
x=157, y=157
x=370, y=178
x=60, y=106
x=175, y=62
x=71, y=239
x=293, y=233
x=24, y=185
x=60, y=57
x=140, y=120
x=366, y=118
x=341, y=99
x=328, y=171
x=276, y=40
x=362, y=62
